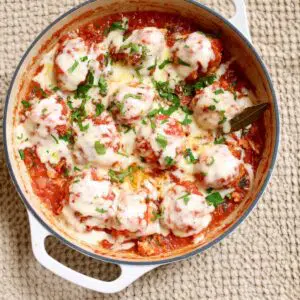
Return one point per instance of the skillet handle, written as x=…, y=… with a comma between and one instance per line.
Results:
x=129, y=273
x=240, y=20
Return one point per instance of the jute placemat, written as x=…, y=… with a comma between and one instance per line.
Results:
x=259, y=261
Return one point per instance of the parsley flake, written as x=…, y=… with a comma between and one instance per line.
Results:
x=100, y=148
x=73, y=67
x=214, y=199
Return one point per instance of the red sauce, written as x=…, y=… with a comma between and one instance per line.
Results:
x=53, y=191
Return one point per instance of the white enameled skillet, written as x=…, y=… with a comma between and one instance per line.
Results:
x=236, y=32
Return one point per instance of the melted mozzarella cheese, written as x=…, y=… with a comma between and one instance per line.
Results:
x=194, y=50
x=39, y=131
x=106, y=134
x=131, y=212
x=73, y=68
x=164, y=144
x=94, y=199
x=212, y=111
x=47, y=113
x=45, y=78
x=132, y=102
x=218, y=166
x=185, y=213
x=154, y=41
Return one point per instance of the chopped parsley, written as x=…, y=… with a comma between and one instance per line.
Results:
x=156, y=215
x=209, y=190
x=169, y=161
x=186, y=120
x=55, y=139
x=138, y=74
x=223, y=120
x=153, y=66
x=204, y=82
x=99, y=109
x=214, y=199
x=67, y=137
x=25, y=103
x=123, y=154
x=216, y=100
x=165, y=91
x=219, y=91
x=102, y=84
x=100, y=148
x=83, y=89
x=22, y=154
x=101, y=210
x=119, y=176
x=73, y=67
x=212, y=107
x=120, y=106
x=161, y=141
x=189, y=156
x=164, y=63
x=118, y=25
x=83, y=59
x=219, y=140
x=55, y=89
x=76, y=169
x=185, y=197
x=132, y=96
x=182, y=62
x=79, y=114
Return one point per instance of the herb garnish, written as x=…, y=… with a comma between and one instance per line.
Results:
x=22, y=155
x=219, y=91
x=119, y=176
x=99, y=109
x=102, y=84
x=55, y=139
x=100, y=148
x=25, y=103
x=169, y=161
x=73, y=67
x=214, y=199
x=182, y=62
x=219, y=140
x=164, y=63
x=185, y=198
x=189, y=156
x=101, y=210
x=161, y=141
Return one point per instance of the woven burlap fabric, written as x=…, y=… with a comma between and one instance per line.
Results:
x=259, y=261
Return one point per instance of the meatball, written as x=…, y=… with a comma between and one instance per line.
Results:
x=131, y=103
x=214, y=106
x=70, y=66
x=142, y=48
x=47, y=120
x=136, y=210
x=185, y=212
x=97, y=141
x=161, y=142
x=218, y=167
x=93, y=200
x=196, y=55
x=48, y=114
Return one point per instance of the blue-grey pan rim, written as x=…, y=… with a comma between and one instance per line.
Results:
x=148, y=262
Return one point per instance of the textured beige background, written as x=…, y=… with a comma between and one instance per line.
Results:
x=259, y=261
